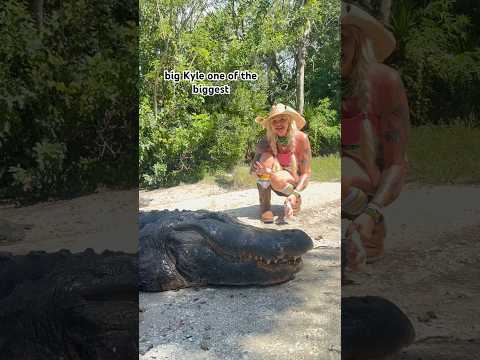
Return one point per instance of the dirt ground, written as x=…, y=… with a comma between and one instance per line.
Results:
x=99, y=221
x=432, y=269
x=296, y=320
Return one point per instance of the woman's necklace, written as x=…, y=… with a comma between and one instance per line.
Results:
x=282, y=140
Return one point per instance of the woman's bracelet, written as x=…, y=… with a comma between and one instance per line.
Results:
x=373, y=210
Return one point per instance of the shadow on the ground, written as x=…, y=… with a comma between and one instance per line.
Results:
x=285, y=321
x=252, y=212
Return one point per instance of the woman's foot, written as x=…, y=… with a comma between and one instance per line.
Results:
x=288, y=209
x=267, y=217
x=375, y=246
x=292, y=206
x=298, y=203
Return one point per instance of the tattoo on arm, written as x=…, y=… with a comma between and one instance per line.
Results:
x=306, y=159
x=304, y=156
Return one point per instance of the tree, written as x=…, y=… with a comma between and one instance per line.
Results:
x=301, y=55
x=385, y=10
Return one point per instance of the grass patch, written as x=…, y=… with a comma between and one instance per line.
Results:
x=444, y=155
x=324, y=168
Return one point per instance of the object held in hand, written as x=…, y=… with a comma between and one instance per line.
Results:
x=260, y=169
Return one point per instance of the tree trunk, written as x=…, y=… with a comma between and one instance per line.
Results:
x=385, y=11
x=155, y=100
x=37, y=7
x=301, y=60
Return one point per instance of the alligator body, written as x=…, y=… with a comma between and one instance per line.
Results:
x=180, y=249
x=68, y=306
x=373, y=328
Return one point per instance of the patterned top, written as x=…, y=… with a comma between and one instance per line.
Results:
x=388, y=100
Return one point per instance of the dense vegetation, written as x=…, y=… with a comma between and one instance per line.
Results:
x=182, y=137
x=438, y=56
x=68, y=96
x=69, y=78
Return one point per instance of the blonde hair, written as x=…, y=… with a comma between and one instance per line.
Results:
x=272, y=141
x=364, y=56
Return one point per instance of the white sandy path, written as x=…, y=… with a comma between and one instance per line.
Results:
x=296, y=320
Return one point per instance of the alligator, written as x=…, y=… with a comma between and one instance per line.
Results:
x=179, y=249
x=371, y=327
x=68, y=306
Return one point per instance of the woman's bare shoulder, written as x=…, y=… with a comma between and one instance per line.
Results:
x=301, y=136
x=302, y=143
x=384, y=73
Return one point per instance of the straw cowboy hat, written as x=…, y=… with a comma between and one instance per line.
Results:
x=280, y=109
x=383, y=40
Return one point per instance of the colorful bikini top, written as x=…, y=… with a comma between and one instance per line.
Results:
x=285, y=159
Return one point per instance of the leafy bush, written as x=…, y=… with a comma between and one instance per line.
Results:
x=68, y=109
x=439, y=60
x=183, y=136
x=48, y=172
x=323, y=128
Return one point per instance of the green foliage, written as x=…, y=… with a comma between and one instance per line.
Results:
x=68, y=109
x=182, y=137
x=323, y=128
x=439, y=59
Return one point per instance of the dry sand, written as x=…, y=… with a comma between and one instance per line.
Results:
x=296, y=320
x=432, y=269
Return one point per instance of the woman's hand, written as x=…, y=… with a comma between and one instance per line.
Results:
x=261, y=169
x=364, y=224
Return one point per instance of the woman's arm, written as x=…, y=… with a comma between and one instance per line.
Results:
x=395, y=132
x=262, y=147
x=394, y=138
x=304, y=156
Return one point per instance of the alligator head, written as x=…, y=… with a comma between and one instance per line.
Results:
x=68, y=306
x=193, y=248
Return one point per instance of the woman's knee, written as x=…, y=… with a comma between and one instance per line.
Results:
x=281, y=179
x=277, y=181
